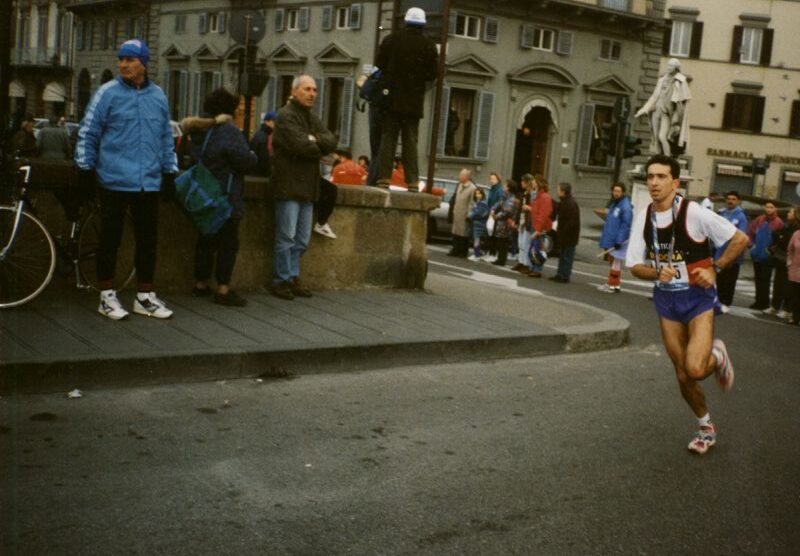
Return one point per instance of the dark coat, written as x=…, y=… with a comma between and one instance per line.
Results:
x=227, y=154
x=569, y=222
x=407, y=59
x=259, y=144
x=295, y=157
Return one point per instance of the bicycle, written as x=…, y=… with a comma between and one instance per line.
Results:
x=28, y=252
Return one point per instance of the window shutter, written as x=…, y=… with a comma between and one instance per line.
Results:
x=441, y=136
x=730, y=107
x=491, y=31
x=183, y=93
x=216, y=80
x=585, y=134
x=766, y=46
x=736, y=47
x=203, y=24
x=355, y=16
x=451, y=23
x=302, y=18
x=564, y=43
x=221, y=22
x=327, y=18
x=319, y=105
x=347, y=113
x=195, y=110
x=667, y=39
x=758, y=114
x=279, y=19
x=79, y=36
x=526, y=36
x=483, y=133
x=794, y=122
x=166, y=87
x=697, y=39
x=272, y=91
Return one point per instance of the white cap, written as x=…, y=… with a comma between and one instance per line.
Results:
x=415, y=16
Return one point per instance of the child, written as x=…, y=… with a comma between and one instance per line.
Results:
x=478, y=216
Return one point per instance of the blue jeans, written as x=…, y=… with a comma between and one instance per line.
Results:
x=565, y=261
x=524, y=243
x=293, y=221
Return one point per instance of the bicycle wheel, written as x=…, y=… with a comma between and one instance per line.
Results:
x=88, y=242
x=28, y=266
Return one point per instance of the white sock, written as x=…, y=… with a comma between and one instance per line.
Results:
x=705, y=420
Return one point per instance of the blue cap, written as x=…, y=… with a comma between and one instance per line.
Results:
x=270, y=116
x=135, y=48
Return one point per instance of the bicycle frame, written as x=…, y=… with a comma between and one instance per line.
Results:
x=19, y=204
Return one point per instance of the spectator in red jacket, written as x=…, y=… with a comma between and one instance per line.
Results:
x=541, y=223
x=347, y=172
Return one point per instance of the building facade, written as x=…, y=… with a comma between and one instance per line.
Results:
x=745, y=111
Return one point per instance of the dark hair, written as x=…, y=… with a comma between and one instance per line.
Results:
x=566, y=188
x=620, y=185
x=220, y=101
x=674, y=167
x=733, y=193
x=479, y=190
x=345, y=153
x=513, y=187
x=365, y=158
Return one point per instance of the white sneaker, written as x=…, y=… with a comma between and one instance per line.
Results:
x=489, y=258
x=724, y=309
x=324, y=230
x=111, y=307
x=151, y=306
x=473, y=258
x=605, y=288
x=769, y=311
x=783, y=314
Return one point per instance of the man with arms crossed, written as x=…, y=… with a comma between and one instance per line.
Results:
x=669, y=245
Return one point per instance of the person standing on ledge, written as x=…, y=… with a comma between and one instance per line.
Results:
x=668, y=108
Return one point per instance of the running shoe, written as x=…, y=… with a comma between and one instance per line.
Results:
x=111, y=307
x=151, y=306
x=703, y=439
x=324, y=230
x=724, y=370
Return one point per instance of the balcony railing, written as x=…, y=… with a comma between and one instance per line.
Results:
x=40, y=57
x=638, y=7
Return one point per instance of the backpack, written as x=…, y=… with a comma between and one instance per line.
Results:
x=375, y=90
x=200, y=193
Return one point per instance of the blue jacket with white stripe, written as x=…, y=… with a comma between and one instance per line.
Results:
x=125, y=136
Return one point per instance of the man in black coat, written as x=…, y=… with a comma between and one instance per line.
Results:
x=569, y=230
x=407, y=60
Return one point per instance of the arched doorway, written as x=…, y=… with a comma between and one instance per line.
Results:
x=532, y=143
x=106, y=77
x=84, y=92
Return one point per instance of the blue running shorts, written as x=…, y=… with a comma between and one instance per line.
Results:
x=684, y=305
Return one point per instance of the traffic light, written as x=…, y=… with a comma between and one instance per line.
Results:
x=608, y=138
x=630, y=148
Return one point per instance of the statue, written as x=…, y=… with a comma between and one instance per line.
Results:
x=669, y=112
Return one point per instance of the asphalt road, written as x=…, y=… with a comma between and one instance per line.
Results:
x=570, y=454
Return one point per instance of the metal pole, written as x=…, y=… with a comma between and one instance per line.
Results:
x=437, y=102
x=247, y=98
x=5, y=73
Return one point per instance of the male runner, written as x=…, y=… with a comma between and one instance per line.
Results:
x=676, y=232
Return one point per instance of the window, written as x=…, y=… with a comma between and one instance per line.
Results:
x=111, y=35
x=216, y=22
x=794, y=122
x=180, y=24
x=292, y=20
x=79, y=35
x=610, y=50
x=90, y=35
x=752, y=45
x=41, y=40
x=458, y=134
x=599, y=156
x=588, y=150
x=750, y=51
x=342, y=18
x=543, y=38
x=468, y=26
x=743, y=112
x=681, y=38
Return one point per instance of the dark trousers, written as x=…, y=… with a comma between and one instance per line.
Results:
x=144, y=212
x=502, y=250
x=327, y=200
x=374, y=118
x=218, y=253
x=763, y=276
x=460, y=246
x=407, y=127
x=566, y=258
x=793, y=291
x=726, y=284
x=779, y=285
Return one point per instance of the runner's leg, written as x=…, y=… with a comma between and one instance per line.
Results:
x=676, y=339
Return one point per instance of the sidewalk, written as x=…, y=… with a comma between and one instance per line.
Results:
x=59, y=342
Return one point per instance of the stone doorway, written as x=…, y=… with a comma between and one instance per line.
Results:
x=532, y=143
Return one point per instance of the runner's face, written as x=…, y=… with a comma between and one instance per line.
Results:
x=660, y=182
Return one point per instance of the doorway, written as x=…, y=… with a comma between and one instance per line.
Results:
x=532, y=144
x=84, y=92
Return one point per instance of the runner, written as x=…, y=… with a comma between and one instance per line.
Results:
x=675, y=232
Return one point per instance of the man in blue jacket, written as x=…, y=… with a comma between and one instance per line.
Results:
x=726, y=279
x=125, y=146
